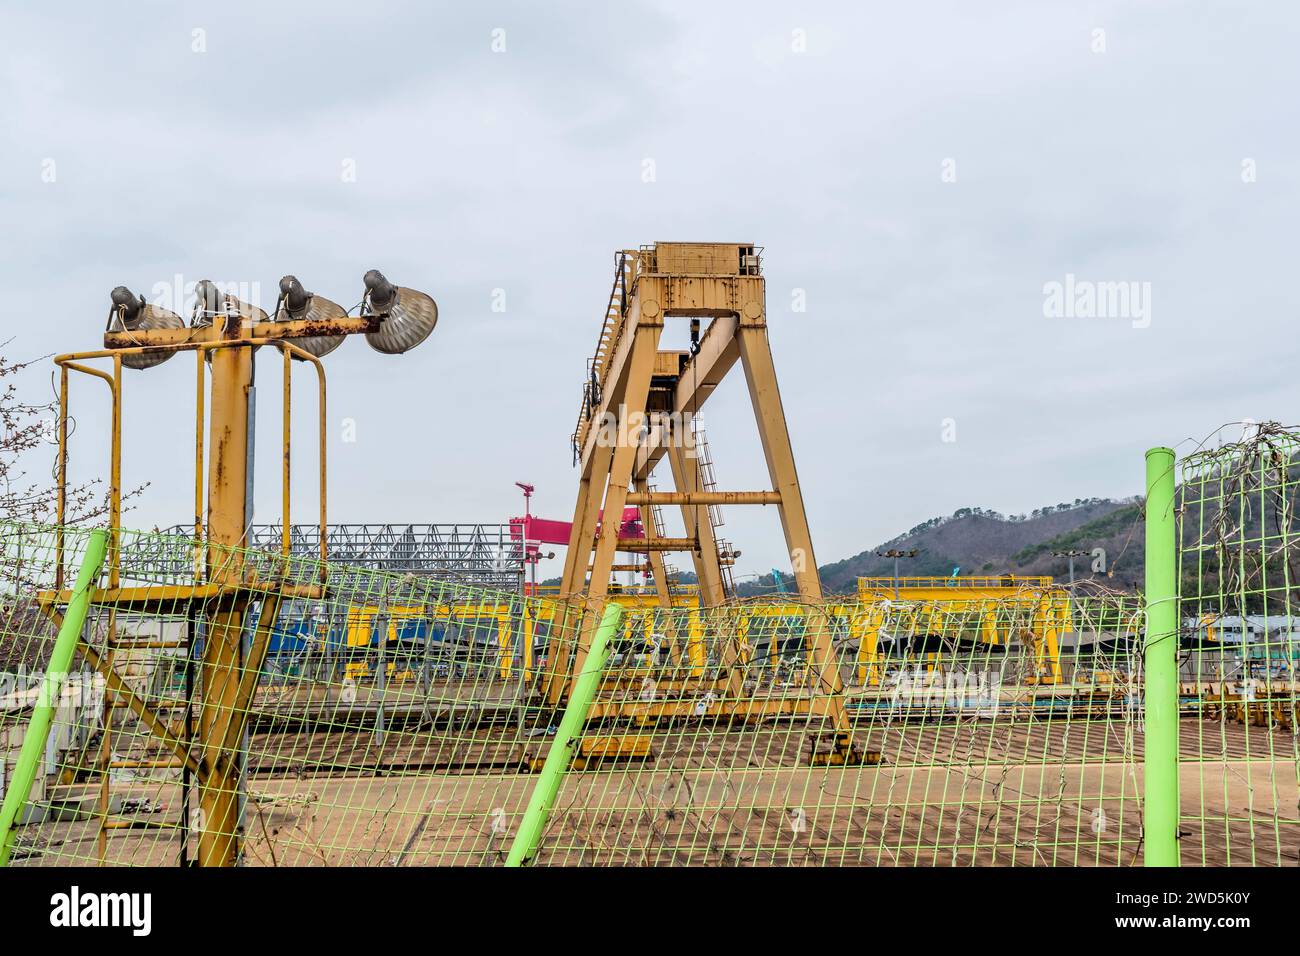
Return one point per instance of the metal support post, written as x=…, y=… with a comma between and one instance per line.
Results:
x=564, y=746
x=56, y=673
x=1160, y=806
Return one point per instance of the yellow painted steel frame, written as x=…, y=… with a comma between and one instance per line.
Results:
x=968, y=587
x=360, y=622
x=864, y=628
x=73, y=362
x=67, y=363
x=639, y=616
x=1051, y=620
x=1048, y=606
x=624, y=433
x=230, y=346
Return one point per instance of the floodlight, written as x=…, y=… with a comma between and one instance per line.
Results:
x=210, y=301
x=409, y=316
x=130, y=313
x=297, y=303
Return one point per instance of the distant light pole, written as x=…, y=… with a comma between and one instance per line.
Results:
x=1071, y=554
x=896, y=554
x=529, y=559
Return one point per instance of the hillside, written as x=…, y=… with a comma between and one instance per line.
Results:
x=985, y=542
x=982, y=542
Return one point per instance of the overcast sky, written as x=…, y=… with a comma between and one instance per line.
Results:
x=918, y=174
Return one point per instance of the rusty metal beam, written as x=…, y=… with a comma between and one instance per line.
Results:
x=297, y=328
x=657, y=544
x=705, y=498
x=158, y=338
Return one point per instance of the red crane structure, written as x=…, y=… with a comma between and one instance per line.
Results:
x=533, y=532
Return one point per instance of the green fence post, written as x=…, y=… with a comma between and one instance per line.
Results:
x=563, y=747
x=56, y=672
x=1160, y=776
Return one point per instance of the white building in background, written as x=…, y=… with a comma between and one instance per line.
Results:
x=1249, y=629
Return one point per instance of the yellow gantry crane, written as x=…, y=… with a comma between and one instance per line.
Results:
x=981, y=603
x=638, y=406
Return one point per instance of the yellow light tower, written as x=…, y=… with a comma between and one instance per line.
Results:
x=225, y=332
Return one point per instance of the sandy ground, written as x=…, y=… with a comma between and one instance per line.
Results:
x=1048, y=792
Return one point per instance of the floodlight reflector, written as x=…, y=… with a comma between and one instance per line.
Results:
x=210, y=302
x=130, y=313
x=409, y=316
x=297, y=303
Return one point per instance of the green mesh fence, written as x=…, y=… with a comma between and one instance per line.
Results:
x=391, y=722
x=983, y=732
x=399, y=720
x=1240, y=759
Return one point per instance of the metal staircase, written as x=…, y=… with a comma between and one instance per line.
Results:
x=709, y=482
x=670, y=573
x=610, y=330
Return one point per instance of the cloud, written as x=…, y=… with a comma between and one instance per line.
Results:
x=521, y=171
